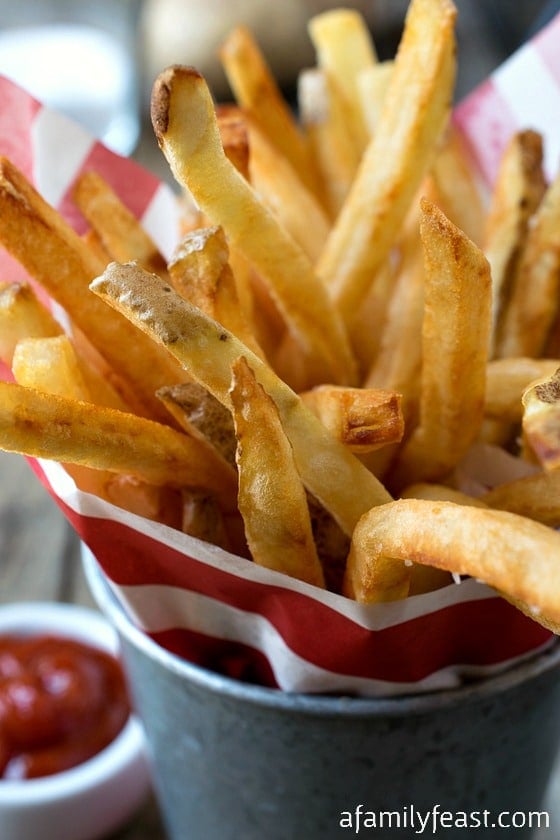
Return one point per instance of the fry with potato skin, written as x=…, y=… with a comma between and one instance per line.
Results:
x=207, y=350
x=513, y=554
x=507, y=379
x=416, y=110
x=271, y=499
x=541, y=420
x=47, y=426
x=185, y=124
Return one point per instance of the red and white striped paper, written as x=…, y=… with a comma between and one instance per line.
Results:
x=224, y=612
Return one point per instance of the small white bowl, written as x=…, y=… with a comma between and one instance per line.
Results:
x=99, y=795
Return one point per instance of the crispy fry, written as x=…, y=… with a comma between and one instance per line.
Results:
x=47, y=426
x=513, y=554
x=255, y=90
x=532, y=306
x=416, y=111
x=22, y=315
x=274, y=510
x=50, y=364
x=329, y=138
x=455, y=336
x=328, y=470
x=199, y=271
x=234, y=135
x=518, y=191
x=296, y=207
x=344, y=49
x=181, y=101
x=506, y=379
x=119, y=231
x=362, y=418
x=534, y=496
x=55, y=256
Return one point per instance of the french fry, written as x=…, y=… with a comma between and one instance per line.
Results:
x=328, y=137
x=181, y=101
x=328, y=470
x=43, y=425
x=61, y=263
x=201, y=415
x=256, y=91
x=456, y=190
x=511, y=553
x=119, y=231
x=416, y=111
x=51, y=365
x=199, y=271
x=275, y=512
x=344, y=49
x=234, y=134
x=279, y=187
x=518, y=191
x=373, y=84
x=532, y=306
x=533, y=496
x=362, y=418
x=455, y=335
x=507, y=379
x=22, y=315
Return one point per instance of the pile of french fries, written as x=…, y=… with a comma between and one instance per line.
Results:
x=344, y=317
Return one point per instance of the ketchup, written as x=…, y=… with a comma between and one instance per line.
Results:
x=61, y=702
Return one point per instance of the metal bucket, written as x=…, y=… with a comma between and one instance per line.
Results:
x=233, y=761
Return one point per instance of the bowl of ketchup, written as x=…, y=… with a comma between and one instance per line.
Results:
x=72, y=758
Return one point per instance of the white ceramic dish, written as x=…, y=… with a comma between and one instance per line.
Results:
x=96, y=797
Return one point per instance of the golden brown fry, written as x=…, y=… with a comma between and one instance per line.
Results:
x=185, y=125
x=279, y=187
x=456, y=190
x=22, y=315
x=344, y=49
x=200, y=272
x=47, y=426
x=455, y=336
x=256, y=91
x=234, y=135
x=158, y=503
x=120, y=232
x=534, y=496
x=57, y=258
x=440, y=493
x=328, y=137
x=513, y=554
x=272, y=500
x=201, y=415
x=506, y=379
x=328, y=470
x=518, y=191
x=362, y=418
x=532, y=306
x=51, y=365
x=416, y=111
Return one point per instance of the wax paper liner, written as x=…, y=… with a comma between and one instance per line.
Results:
x=224, y=612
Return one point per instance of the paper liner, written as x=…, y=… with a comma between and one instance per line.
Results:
x=224, y=612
